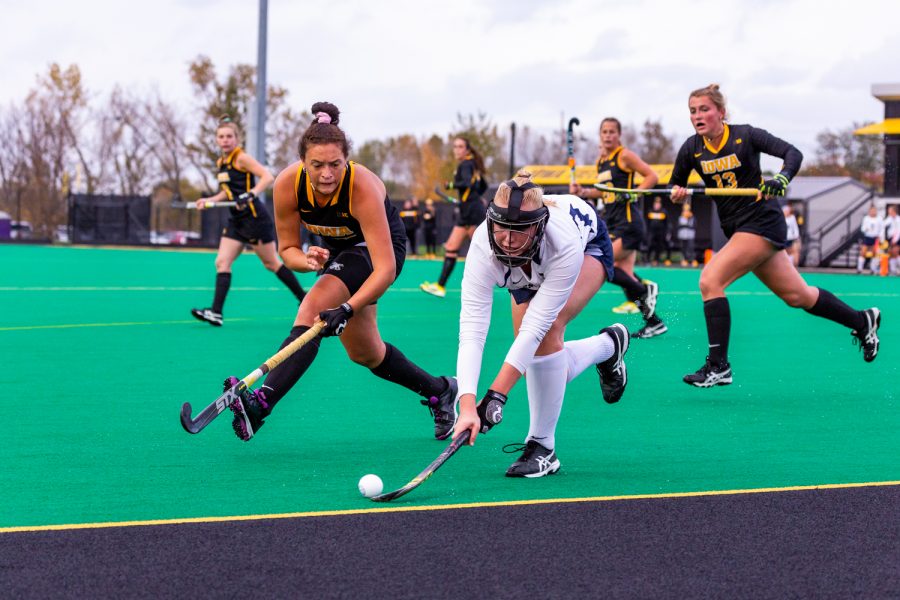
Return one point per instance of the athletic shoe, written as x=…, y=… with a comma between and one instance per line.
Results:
x=208, y=315
x=612, y=371
x=250, y=408
x=626, y=308
x=435, y=289
x=652, y=328
x=868, y=338
x=709, y=375
x=647, y=302
x=536, y=461
x=443, y=409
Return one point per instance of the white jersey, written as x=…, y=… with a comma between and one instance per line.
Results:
x=793, y=229
x=892, y=229
x=571, y=225
x=872, y=226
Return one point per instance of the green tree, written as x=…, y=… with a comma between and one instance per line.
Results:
x=841, y=153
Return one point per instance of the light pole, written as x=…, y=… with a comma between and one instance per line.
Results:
x=260, y=150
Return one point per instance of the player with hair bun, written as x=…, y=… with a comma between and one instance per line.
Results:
x=241, y=179
x=553, y=254
x=727, y=156
x=364, y=247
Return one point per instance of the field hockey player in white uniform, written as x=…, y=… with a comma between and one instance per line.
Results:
x=553, y=254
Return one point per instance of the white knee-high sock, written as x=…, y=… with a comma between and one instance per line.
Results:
x=860, y=263
x=546, y=382
x=581, y=354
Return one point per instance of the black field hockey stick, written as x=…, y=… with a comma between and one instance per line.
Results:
x=443, y=196
x=690, y=191
x=570, y=147
x=212, y=411
x=416, y=481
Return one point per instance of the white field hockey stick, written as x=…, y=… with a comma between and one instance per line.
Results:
x=231, y=395
x=206, y=205
x=690, y=191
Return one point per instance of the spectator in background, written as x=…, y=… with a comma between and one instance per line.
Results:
x=410, y=217
x=429, y=228
x=891, y=237
x=687, y=232
x=793, y=234
x=658, y=233
x=872, y=229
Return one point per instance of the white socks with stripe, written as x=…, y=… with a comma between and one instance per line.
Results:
x=546, y=383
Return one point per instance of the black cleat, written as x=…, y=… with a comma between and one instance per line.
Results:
x=536, y=461
x=250, y=409
x=208, y=315
x=613, y=375
x=868, y=338
x=647, y=302
x=652, y=328
x=443, y=409
x=709, y=375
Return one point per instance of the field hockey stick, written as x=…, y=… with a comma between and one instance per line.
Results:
x=232, y=394
x=690, y=191
x=570, y=147
x=443, y=196
x=449, y=451
x=205, y=205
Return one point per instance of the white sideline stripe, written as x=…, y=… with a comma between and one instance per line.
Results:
x=433, y=507
x=142, y=288
x=124, y=324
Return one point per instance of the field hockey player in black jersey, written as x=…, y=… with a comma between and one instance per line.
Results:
x=727, y=156
x=241, y=179
x=364, y=247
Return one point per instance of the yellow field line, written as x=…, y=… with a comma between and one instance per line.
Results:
x=393, y=509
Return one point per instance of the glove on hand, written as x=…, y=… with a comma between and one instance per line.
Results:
x=490, y=409
x=777, y=186
x=245, y=199
x=336, y=319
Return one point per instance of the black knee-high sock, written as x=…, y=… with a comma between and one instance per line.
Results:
x=223, y=282
x=718, y=328
x=398, y=369
x=283, y=377
x=828, y=306
x=633, y=288
x=288, y=278
x=449, y=263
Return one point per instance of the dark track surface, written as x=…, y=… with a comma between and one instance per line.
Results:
x=837, y=543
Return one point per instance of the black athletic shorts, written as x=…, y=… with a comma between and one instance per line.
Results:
x=353, y=265
x=471, y=213
x=765, y=220
x=631, y=234
x=244, y=227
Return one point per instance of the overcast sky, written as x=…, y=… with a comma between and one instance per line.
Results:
x=794, y=67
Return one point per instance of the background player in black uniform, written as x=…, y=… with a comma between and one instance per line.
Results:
x=241, y=179
x=429, y=228
x=658, y=233
x=616, y=168
x=364, y=250
x=728, y=156
x=410, y=217
x=469, y=183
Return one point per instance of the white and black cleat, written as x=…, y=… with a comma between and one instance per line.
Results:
x=612, y=371
x=536, y=460
x=652, y=328
x=647, y=302
x=868, y=338
x=709, y=375
x=208, y=315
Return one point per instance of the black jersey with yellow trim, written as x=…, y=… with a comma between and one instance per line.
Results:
x=611, y=172
x=334, y=221
x=733, y=164
x=235, y=181
x=468, y=181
